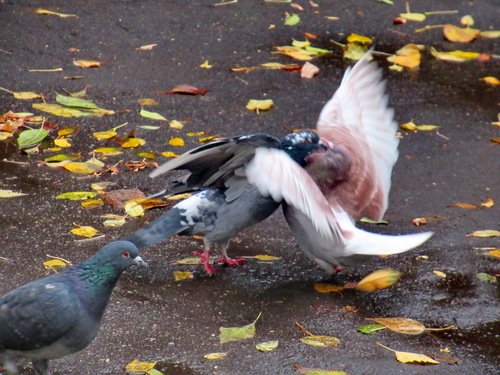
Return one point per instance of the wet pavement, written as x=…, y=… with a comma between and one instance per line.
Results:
x=153, y=318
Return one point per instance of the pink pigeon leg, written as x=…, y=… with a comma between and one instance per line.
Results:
x=230, y=262
x=205, y=260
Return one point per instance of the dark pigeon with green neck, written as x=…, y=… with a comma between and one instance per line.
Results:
x=60, y=314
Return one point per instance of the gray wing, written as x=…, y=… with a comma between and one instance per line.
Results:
x=217, y=164
x=37, y=314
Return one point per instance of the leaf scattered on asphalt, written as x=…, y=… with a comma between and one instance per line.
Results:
x=377, y=280
x=267, y=346
x=370, y=329
x=87, y=63
x=47, y=12
x=76, y=195
x=485, y=233
x=6, y=193
x=23, y=95
x=54, y=264
x=152, y=115
x=84, y=231
x=215, y=356
x=176, y=142
x=413, y=358
x=459, y=34
x=183, y=275
x=411, y=126
x=317, y=371
x=406, y=326
x=259, y=105
x=185, y=89
x=237, y=333
x=31, y=137
x=291, y=19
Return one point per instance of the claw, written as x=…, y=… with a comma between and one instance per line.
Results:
x=205, y=260
x=229, y=261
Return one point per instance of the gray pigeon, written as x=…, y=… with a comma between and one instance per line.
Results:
x=60, y=314
x=228, y=203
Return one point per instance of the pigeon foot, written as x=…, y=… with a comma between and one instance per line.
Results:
x=230, y=262
x=205, y=260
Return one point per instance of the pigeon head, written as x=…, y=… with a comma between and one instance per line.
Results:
x=118, y=255
x=300, y=145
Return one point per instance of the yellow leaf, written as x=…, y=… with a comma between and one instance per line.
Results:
x=494, y=253
x=259, y=105
x=133, y=142
x=401, y=325
x=454, y=56
x=169, y=154
x=54, y=264
x=195, y=134
x=89, y=203
x=332, y=18
x=490, y=34
x=146, y=47
x=409, y=56
x=178, y=197
x=493, y=81
x=84, y=231
x=58, y=110
x=485, y=233
x=215, y=356
x=183, y=275
x=300, y=44
x=321, y=341
x=207, y=138
x=87, y=63
x=354, y=51
x=488, y=203
x=176, y=141
x=152, y=115
x=407, y=357
x=145, y=102
x=114, y=222
x=79, y=167
x=267, y=258
x=65, y=132
x=138, y=366
x=51, y=13
x=361, y=39
x=267, y=346
x=189, y=261
x=23, y=95
x=296, y=53
x=426, y=128
x=108, y=134
x=176, y=124
x=10, y=194
x=467, y=20
x=417, y=17
x=237, y=333
x=134, y=208
x=439, y=274
x=5, y=135
x=206, y=65
x=458, y=34
x=53, y=70
x=328, y=288
x=108, y=151
x=468, y=206
x=76, y=195
x=62, y=142
x=380, y=279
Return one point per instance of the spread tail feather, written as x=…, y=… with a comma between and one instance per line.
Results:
x=367, y=243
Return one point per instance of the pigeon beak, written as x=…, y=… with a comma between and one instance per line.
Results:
x=138, y=260
x=325, y=144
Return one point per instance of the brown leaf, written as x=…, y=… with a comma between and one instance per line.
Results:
x=185, y=89
x=117, y=198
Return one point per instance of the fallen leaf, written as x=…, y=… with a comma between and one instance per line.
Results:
x=31, y=137
x=370, y=329
x=360, y=39
x=90, y=166
x=183, y=275
x=237, y=333
x=488, y=203
x=23, y=95
x=317, y=371
x=178, y=197
x=147, y=102
x=354, y=51
x=176, y=142
x=70, y=101
x=406, y=326
x=267, y=346
x=417, y=17
x=108, y=134
x=320, y=341
x=331, y=18
x=409, y=56
x=62, y=142
x=134, y=208
x=58, y=110
x=149, y=127
x=87, y=63
x=266, y=258
x=147, y=47
x=133, y=142
x=485, y=233
x=189, y=261
x=66, y=131
x=292, y=19
x=169, y=154
x=440, y=274
x=174, y=124
x=215, y=356
x=108, y=151
x=76, y=195
x=113, y=220
x=487, y=278
x=490, y=80
x=55, y=263
x=138, y=366
x=52, y=70
x=308, y=70
x=490, y=34
x=147, y=155
x=454, y=56
x=380, y=279
x=467, y=20
x=328, y=288
x=47, y=12
x=408, y=357
x=84, y=231
x=6, y=193
x=152, y=115
x=186, y=89
x=206, y=65
x=458, y=34
x=492, y=252
x=259, y=105
x=370, y=221
x=90, y=203
x=411, y=126
x=60, y=157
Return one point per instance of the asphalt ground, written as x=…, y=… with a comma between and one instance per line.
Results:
x=153, y=318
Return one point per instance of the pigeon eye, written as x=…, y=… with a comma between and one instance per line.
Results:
x=126, y=254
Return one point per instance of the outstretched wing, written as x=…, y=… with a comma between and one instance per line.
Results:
x=213, y=164
x=361, y=105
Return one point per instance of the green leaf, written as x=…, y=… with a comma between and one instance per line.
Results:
x=10, y=194
x=317, y=371
x=61, y=157
x=154, y=371
x=487, y=278
x=267, y=346
x=292, y=20
x=70, y=101
x=152, y=115
x=370, y=328
x=237, y=333
x=321, y=341
x=31, y=137
x=76, y=195
x=370, y=221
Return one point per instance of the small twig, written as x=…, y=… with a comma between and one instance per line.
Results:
x=429, y=27
x=6, y=260
x=5, y=51
x=441, y=12
x=241, y=79
x=16, y=162
x=90, y=239
x=442, y=136
x=304, y=331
